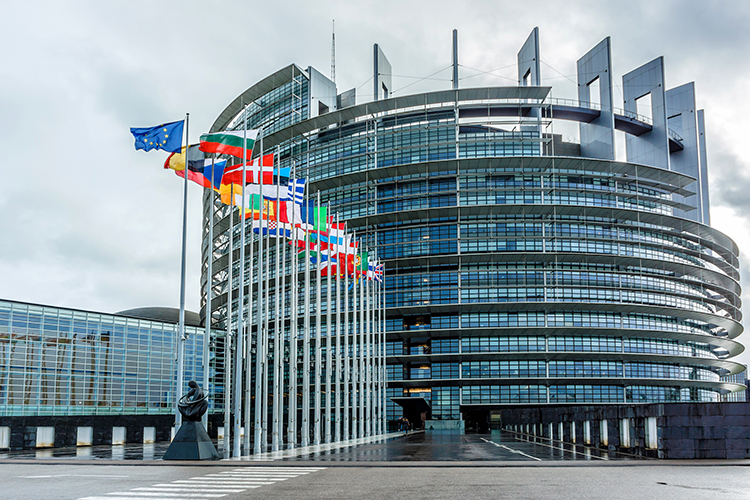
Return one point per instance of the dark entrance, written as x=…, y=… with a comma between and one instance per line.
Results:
x=417, y=410
x=477, y=421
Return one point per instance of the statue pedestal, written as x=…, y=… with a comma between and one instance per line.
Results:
x=191, y=443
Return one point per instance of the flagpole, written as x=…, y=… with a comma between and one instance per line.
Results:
x=370, y=352
x=327, y=372
x=318, y=331
x=346, y=337
x=292, y=425
x=181, y=338
x=207, y=335
x=248, y=337
x=337, y=371
x=281, y=235
x=385, y=341
x=278, y=328
x=228, y=339
x=305, y=433
x=362, y=353
x=241, y=302
x=266, y=302
x=355, y=350
x=292, y=419
x=258, y=444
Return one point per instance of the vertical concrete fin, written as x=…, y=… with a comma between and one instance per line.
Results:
x=528, y=61
x=703, y=181
x=649, y=148
x=597, y=136
x=382, y=74
x=682, y=119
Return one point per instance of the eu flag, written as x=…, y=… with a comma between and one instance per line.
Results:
x=167, y=136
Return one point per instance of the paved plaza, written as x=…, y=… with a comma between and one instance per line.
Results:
x=431, y=465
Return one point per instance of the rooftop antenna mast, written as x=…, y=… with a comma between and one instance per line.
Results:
x=333, y=51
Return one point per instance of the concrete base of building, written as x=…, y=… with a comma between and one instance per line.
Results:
x=60, y=431
x=669, y=430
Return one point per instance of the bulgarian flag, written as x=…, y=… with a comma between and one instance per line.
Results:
x=229, y=143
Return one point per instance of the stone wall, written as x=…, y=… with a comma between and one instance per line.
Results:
x=682, y=430
x=23, y=430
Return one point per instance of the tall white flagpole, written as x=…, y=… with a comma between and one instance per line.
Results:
x=362, y=354
x=278, y=333
x=294, y=291
x=318, y=331
x=305, y=433
x=281, y=236
x=258, y=437
x=369, y=343
x=181, y=337
x=384, y=347
x=241, y=303
x=266, y=315
x=346, y=336
x=355, y=350
x=329, y=331
x=248, y=337
x=209, y=281
x=337, y=370
x=228, y=340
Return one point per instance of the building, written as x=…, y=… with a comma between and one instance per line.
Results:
x=67, y=369
x=520, y=269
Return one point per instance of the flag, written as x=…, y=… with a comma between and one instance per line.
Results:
x=379, y=270
x=199, y=167
x=229, y=143
x=360, y=263
x=314, y=218
x=255, y=173
x=296, y=188
x=167, y=136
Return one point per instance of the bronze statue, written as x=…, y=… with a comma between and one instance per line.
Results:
x=194, y=404
x=191, y=441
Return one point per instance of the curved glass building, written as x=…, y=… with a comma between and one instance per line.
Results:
x=520, y=269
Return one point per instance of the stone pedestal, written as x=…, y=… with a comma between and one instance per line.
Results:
x=191, y=443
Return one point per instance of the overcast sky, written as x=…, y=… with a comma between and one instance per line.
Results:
x=88, y=222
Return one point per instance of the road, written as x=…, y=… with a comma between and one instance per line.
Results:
x=583, y=480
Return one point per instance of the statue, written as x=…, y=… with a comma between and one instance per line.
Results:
x=191, y=441
x=194, y=404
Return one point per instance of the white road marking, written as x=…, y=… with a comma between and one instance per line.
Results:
x=161, y=494
x=214, y=485
x=71, y=475
x=518, y=452
x=563, y=449
x=174, y=488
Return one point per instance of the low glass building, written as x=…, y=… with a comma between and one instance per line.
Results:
x=520, y=269
x=60, y=361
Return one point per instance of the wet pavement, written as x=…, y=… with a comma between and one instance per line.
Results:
x=442, y=446
x=431, y=446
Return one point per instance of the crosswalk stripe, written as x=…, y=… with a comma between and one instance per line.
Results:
x=225, y=481
x=215, y=485
x=253, y=474
x=197, y=486
x=181, y=495
x=172, y=489
x=129, y=498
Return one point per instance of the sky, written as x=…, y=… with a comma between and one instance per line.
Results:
x=90, y=223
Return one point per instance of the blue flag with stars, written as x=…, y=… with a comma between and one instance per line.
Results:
x=167, y=136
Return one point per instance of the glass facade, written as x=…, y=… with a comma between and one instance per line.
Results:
x=58, y=361
x=503, y=261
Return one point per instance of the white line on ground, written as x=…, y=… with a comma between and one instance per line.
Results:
x=569, y=451
x=518, y=452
